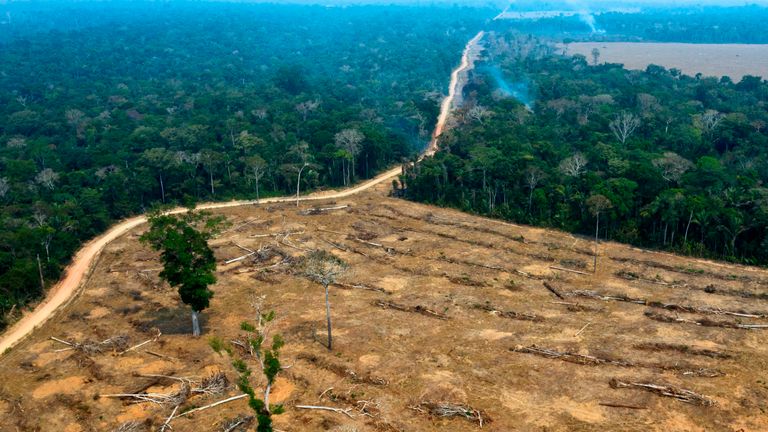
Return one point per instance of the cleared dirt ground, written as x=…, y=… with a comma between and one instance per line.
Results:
x=732, y=60
x=450, y=308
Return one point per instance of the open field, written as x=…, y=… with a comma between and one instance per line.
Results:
x=437, y=307
x=733, y=60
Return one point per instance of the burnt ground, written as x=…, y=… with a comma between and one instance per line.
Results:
x=437, y=308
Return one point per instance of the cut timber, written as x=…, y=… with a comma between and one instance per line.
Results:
x=362, y=287
x=681, y=368
x=553, y=290
x=450, y=409
x=324, y=408
x=569, y=270
x=703, y=322
x=685, y=349
x=620, y=405
x=682, y=395
x=321, y=210
x=416, y=309
x=509, y=314
x=233, y=398
x=708, y=310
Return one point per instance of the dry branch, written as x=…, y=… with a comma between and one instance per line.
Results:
x=415, y=309
x=620, y=405
x=569, y=270
x=154, y=339
x=683, y=369
x=238, y=422
x=449, y=409
x=553, y=290
x=667, y=306
x=325, y=408
x=233, y=398
x=509, y=314
x=704, y=322
x=129, y=426
x=362, y=287
x=683, y=395
x=685, y=349
x=115, y=343
x=341, y=370
x=321, y=210
x=571, y=357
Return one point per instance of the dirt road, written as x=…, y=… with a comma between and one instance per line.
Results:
x=61, y=293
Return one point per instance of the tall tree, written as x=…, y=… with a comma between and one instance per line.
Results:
x=597, y=204
x=188, y=261
x=324, y=268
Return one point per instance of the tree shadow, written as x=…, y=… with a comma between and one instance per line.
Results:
x=176, y=321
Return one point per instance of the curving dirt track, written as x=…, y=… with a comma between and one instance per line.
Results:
x=66, y=288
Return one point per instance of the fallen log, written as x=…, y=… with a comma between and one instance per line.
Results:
x=416, y=309
x=703, y=322
x=685, y=349
x=509, y=314
x=321, y=210
x=569, y=270
x=325, y=408
x=553, y=290
x=451, y=409
x=680, y=394
x=667, y=306
x=620, y=405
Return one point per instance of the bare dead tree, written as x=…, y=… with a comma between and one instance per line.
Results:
x=307, y=107
x=47, y=178
x=624, y=125
x=533, y=176
x=478, y=113
x=708, y=122
x=574, y=166
x=349, y=140
x=324, y=268
x=672, y=166
x=4, y=187
x=597, y=204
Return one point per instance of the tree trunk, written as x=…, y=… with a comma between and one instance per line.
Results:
x=687, y=227
x=597, y=230
x=162, y=187
x=328, y=318
x=210, y=174
x=40, y=272
x=195, y=324
x=257, y=190
x=266, y=396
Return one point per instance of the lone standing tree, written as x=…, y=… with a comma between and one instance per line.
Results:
x=597, y=204
x=323, y=267
x=188, y=261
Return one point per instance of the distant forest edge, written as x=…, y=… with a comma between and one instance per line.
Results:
x=668, y=161
x=204, y=103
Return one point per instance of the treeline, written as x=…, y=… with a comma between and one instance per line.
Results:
x=199, y=102
x=673, y=161
x=677, y=23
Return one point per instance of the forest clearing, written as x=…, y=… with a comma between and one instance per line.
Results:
x=442, y=321
x=732, y=60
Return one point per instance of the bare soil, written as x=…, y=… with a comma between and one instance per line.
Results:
x=732, y=60
x=449, y=310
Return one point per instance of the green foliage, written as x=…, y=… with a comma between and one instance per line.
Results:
x=690, y=178
x=270, y=366
x=188, y=261
x=203, y=106
x=216, y=343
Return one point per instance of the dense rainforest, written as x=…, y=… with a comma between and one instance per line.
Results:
x=677, y=23
x=667, y=160
x=126, y=107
